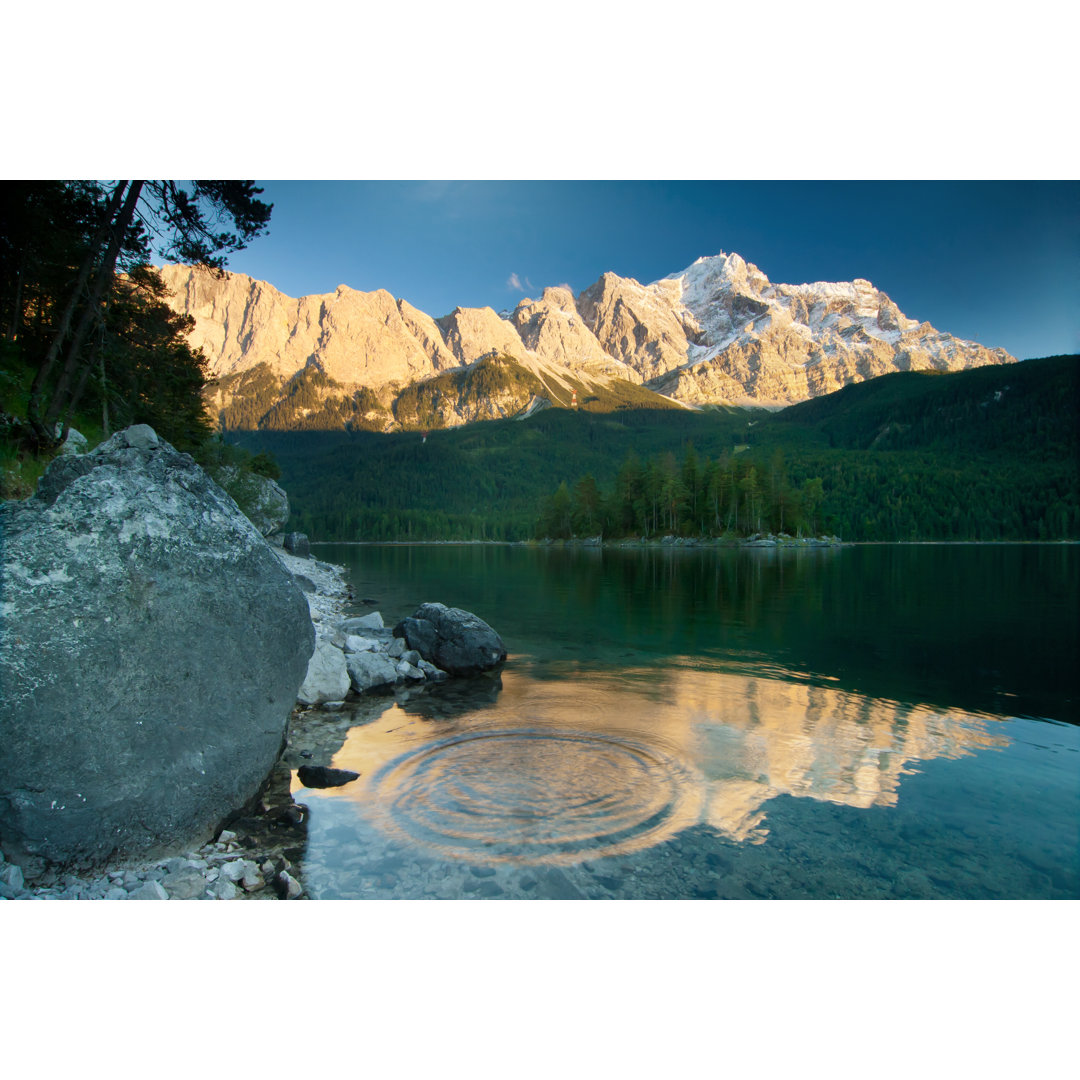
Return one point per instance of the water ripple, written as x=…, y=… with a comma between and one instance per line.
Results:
x=534, y=795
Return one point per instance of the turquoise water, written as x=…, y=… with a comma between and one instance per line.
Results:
x=866, y=722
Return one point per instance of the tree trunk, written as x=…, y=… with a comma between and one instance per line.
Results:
x=16, y=312
x=104, y=397
x=64, y=398
x=33, y=406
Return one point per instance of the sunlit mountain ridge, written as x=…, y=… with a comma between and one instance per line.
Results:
x=717, y=333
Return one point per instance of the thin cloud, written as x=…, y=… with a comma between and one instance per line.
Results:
x=514, y=282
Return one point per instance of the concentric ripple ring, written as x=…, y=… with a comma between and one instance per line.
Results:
x=533, y=796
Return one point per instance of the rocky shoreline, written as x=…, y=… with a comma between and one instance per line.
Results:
x=757, y=540
x=764, y=540
x=249, y=859
x=257, y=852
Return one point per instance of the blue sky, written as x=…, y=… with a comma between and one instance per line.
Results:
x=995, y=262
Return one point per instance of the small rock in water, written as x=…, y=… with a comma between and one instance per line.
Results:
x=321, y=776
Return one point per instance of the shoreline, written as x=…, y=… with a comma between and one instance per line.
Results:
x=248, y=855
x=691, y=542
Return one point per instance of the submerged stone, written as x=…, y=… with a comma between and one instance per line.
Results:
x=322, y=776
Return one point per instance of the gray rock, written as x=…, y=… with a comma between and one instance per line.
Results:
x=456, y=641
x=431, y=672
x=12, y=876
x=409, y=671
x=259, y=498
x=356, y=643
x=160, y=644
x=224, y=889
x=116, y=893
x=327, y=678
x=139, y=437
x=371, y=621
x=370, y=671
x=288, y=888
x=152, y=890
x=237, y=870
x=555, y=885
x=322, y=776
x=252, y=881
x=297, y=544
x=186, y=883
x=75, y=443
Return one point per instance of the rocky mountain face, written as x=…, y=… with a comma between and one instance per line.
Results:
x=718, y=333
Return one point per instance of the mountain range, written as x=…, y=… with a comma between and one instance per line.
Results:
x=717, y=333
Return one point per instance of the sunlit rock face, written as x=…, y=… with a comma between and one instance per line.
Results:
x=718, y=332
x=474, y=332
x=642, y=325
x=152, y=649
x=774, y=345
x=555, y=331
x=356, y=338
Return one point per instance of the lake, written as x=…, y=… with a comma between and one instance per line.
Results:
x=858, y=722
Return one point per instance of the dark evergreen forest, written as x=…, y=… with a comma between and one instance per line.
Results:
x=987, y=454
x=86, y=337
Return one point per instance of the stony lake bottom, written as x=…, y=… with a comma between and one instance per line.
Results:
x=866, y=722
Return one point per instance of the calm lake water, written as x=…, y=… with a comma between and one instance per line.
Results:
x=873, y=722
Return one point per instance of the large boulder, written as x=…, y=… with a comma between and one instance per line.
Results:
x=261, y=499
x=297, y=543
x=456, y=641
x=151, y=649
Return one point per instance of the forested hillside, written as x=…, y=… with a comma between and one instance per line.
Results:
x=988, y=454
x=87, y=339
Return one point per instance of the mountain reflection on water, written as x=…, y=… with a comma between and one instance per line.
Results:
x=875, y=722
x=575, y=768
